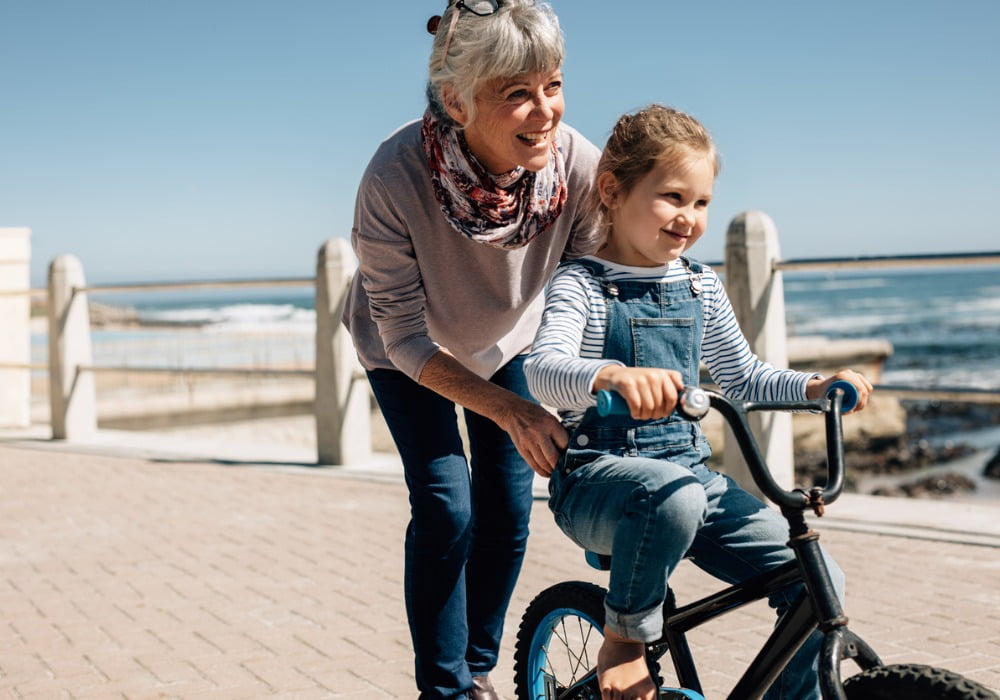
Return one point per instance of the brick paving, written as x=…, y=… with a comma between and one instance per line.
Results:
x=125, y=577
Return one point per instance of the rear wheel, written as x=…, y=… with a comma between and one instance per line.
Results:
x=557, y=642
x=913, y=682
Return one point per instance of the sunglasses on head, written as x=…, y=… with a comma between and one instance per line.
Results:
x=480, y=8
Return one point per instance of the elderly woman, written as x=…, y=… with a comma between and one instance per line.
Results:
x=461, y=218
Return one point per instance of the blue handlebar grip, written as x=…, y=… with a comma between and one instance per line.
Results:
x=610, y=403
x=850, y=399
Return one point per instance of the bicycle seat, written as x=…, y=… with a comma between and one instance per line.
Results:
x=601, y=562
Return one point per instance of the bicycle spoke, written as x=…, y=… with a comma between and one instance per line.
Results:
x=545, y=671
x=577, y=660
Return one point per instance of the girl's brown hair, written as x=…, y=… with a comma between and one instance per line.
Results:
x=641, y=140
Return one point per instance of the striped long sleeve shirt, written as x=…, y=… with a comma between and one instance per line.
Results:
x=567, y=353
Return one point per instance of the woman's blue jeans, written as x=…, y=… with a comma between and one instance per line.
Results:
x=652, y=513
x=466, y=537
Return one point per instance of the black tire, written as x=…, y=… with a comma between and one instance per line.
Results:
x=913, y=682
x=557, y=642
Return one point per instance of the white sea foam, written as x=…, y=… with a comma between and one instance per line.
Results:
x=944, y=325
x=827, y=285
x=284, y=318
x=969, y=376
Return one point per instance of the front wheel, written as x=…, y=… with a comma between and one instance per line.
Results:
x=913, y=682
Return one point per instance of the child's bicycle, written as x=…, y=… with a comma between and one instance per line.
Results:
x=560, y=632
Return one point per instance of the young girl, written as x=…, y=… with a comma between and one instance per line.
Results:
x=638, y=318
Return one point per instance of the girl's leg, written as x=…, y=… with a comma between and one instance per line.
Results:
x=501, y=506
x=424, y=427
x=742, y=537
x=644, y=511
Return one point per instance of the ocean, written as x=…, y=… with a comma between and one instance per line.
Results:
x=943, y=323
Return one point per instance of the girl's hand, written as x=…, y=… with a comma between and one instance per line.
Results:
x=817, y=388
x=650, y=392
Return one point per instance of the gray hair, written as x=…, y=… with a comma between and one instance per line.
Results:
x=521, y=37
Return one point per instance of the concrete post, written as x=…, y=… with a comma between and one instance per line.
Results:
x=72, y=397
x=758, y=296
x=343, y=406
x=15, y=315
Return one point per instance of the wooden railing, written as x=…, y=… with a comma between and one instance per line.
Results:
x=753, y=269
x=342, y=410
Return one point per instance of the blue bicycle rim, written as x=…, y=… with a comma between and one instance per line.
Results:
x=538, y=652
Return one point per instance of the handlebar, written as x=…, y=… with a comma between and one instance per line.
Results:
x=695, y=402
x=850, y=399
x=611, y=403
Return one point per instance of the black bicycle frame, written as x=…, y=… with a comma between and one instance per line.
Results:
x=816, y=607
x=791, y=631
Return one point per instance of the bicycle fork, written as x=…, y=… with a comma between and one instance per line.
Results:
x=838, y=641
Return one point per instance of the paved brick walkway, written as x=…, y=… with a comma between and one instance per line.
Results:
x=153, y=578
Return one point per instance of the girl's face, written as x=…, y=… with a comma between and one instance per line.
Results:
x=515, y=122
x=662, y=216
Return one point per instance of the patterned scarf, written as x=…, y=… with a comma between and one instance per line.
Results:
x=505, y=211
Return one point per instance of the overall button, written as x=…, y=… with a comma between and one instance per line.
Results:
x=582, y=440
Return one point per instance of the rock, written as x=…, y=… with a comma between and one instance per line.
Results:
x=992, y=468
x=946, y=484
x=102, y=315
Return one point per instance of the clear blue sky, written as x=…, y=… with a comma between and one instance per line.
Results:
x=196, y=139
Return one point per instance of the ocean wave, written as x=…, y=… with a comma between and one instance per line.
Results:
x=944, y=326
x=827, y=285
x=964, y=377
x=236, y=317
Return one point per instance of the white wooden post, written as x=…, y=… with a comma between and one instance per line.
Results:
x=15, y=315
x=72, y=398
x=757, y=293
x=343, y=405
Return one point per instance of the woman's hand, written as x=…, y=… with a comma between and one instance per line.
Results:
x=817, y=388
x=650, y=392
x=537, y=434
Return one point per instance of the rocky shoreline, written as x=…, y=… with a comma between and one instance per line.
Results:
x=928, y=442
x=116, y=317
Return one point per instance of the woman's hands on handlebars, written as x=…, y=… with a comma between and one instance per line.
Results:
x=819, y=387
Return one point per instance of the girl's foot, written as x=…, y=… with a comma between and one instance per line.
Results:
x=622, y=671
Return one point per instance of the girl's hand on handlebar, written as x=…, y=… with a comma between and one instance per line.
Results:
x=818, y=388
x=649, y=392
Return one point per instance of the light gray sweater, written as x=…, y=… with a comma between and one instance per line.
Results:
x=422, y=285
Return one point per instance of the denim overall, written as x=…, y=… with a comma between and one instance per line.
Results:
x=641, y=488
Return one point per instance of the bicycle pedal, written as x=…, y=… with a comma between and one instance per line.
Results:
x=680, y=694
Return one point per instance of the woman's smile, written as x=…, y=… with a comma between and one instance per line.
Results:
x=535, y=137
